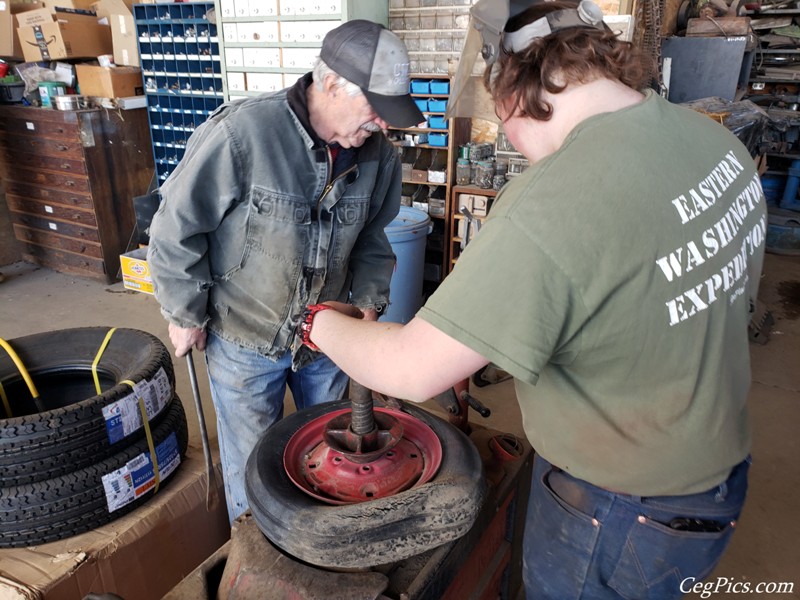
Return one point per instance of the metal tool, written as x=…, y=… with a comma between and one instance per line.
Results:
x=472, y=226
x=212, y=492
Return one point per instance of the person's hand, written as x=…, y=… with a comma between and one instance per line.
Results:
x=345, y=309
x=185, y=338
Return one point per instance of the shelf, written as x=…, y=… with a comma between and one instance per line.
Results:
x=178, y=47
x=474, y=189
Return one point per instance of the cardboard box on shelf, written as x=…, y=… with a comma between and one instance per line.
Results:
x=67, y=35
x=135, y=271
x=142, y=555
x=9, y=40
x=109, y=82
x=119, y=15
x=70, y=4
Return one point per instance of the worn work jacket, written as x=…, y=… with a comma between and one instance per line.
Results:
x=252, y=227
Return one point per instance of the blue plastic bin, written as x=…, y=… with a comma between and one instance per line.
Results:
x=437, y=139
x=440, y=87
x=422, y=104
x=420, y=86
x=790, y=200
x=437, y=122
x=437, y=105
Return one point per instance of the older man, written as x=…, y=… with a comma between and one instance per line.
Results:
x=281, y=201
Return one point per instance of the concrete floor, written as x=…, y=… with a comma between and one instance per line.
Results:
x=766, y=547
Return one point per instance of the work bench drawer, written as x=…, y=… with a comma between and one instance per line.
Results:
x=49, y=195
x=61, y=181
x=31, y=144
x=71, y=262
x=43, y=128
x=51, y=210
x=62, y=164
x=48, y=239
x=66, y=228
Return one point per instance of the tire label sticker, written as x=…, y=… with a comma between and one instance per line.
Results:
x=123, y=416
x=136, y=478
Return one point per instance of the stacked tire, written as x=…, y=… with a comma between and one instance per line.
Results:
x=66, y=463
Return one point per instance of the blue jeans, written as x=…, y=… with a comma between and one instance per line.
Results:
x=247, y=389
x=582, y=541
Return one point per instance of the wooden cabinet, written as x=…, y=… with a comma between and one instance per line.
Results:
x=477, y=201
x=69, y=179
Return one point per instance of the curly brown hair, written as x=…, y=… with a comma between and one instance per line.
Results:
x=551, y=63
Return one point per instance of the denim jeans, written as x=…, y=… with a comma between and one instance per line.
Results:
x=248, y=390
x=582, y=541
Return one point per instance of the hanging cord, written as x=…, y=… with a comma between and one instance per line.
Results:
x=140, y=400
x=25, y=375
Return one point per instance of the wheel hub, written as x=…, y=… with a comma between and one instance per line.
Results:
x=326, y=460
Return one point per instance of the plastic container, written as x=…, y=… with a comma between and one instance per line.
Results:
x=49, y=90
x=437, y=105
x=462, y=171
x=420, y=86
x=12, y=93
x=437, y=122
x=773, y=185
x=789, y=200
x=484, y=174
x=407, y=234
x=437, y=139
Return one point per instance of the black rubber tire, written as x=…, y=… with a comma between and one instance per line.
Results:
x=71, y=504
x=370, y=533
x=71, y=433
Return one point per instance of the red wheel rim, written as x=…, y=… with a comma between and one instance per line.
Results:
x=329, y=476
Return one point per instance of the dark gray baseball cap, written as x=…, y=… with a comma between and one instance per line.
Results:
x=376, y=60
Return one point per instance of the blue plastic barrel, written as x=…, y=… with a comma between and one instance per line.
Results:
x=407, y=234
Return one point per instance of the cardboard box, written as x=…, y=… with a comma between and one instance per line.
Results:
x=135, y=271
x=29, y=18
x=119, y=15
x=9, y=40
x=139, y=556
x=70, y=4
x=68, y=35
x=109, y=82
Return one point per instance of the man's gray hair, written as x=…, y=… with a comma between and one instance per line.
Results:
x=322, y=70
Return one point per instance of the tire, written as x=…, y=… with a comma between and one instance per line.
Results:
x=71, y=433
x=71, y=504
x=369, y=533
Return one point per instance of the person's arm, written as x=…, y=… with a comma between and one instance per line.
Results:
x=372, y=259
x=414, y=362
x=195, y=200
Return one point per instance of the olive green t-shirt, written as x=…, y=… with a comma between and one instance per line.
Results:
x=614, y=281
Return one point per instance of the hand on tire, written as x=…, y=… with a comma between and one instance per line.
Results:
x=186, y=338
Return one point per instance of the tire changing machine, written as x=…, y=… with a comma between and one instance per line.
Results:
x=484, y=564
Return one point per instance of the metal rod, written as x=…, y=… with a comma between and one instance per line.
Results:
x=363, y=419
x=212, y=493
